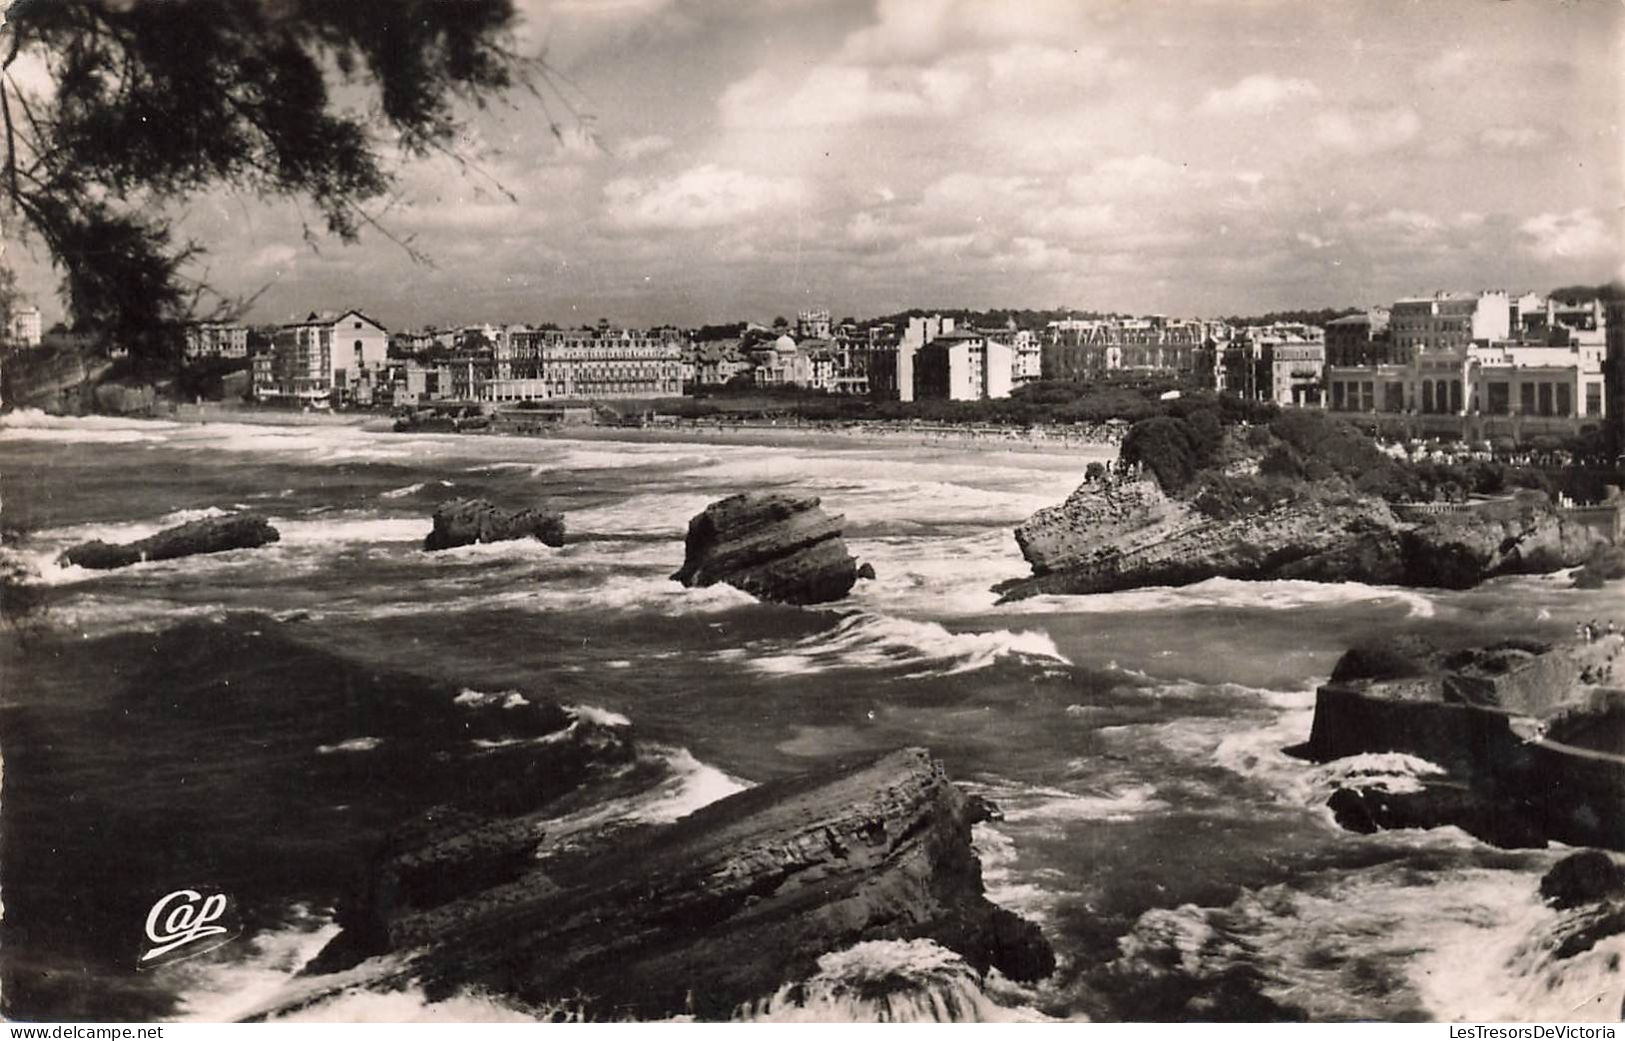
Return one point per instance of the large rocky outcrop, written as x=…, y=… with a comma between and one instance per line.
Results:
x=773, y=546
x=1116, y=534
x=463, y=522
x=721, y=908
x=1528, y=738
x=209, y=535
x=1587, y=889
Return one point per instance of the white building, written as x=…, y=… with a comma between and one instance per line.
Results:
x=963, y=366
x=27, y=328
x=321, y=359
x=216, y=340
x=1448, y=321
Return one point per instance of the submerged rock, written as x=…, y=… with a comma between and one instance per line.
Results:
x=773, y=546
x=209, y=535
x=723, y=908
x=463, y=522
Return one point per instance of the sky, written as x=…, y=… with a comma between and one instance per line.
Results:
x=728, y=159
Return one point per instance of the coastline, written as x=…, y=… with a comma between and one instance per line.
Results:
x=812, y=436
x=819, y=437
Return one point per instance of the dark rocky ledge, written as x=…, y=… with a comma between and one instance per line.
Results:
x=1530, y=737
x=463, y=522
x=775, y=547
x=721, y=908
x=209, y=535
x=1114, y=534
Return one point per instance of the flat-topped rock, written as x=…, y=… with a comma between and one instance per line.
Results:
x=1529, y=736
x=463, y=522
x=774, y=546
x=209, y=535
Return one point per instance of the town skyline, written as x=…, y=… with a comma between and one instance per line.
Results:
x=1221, y=158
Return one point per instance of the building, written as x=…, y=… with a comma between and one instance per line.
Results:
x=963, y=366
x=599, y=363
x=1297, y=373
x=1082, y=349
x=1478, y=367
x=216, y=340
x=780, y=364
x=813, y=325
x=1360, y=339
x=1448, y=321
x=1614, y=378
x=320, y=360
x=1283, y=363
x=27, y=327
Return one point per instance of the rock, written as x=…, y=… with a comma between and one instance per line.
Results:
x=698, y=917
x=1530, y=736
x=776, y=547
x=209, y=535
x=1605, y=564
x=122, y=399
x=1582, y=878
x=1367, y=810
x=1588, y=891
x=1118, y=534
x=463, y=522
x=866, y=572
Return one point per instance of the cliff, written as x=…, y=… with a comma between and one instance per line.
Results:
x=1530, y=738
x=721, y=908
x=773, y=546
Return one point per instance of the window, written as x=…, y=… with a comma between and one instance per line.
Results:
x=1526, y=398
x=1545, y=399
x=1593, y=399
x=1455, y=395
x=1563, y=404
x=1500, y=399
x=1427, y=395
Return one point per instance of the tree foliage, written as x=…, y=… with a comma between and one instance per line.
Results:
x=154, y=102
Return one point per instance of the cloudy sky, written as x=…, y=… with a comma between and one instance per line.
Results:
x=1193, y=157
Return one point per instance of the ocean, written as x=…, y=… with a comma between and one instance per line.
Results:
x=1181, y=863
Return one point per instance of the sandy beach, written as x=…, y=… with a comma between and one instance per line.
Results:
x=814, y=436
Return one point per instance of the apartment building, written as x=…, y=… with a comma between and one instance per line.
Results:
x=963, y=365
x=601, y=363
x=216, y=340
x=320, y=360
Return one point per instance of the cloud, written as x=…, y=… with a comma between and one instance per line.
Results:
x=1314, y=241
x=1576, y=234
x=834, y=95
x=1448, y=66
x=1257, y=94
x=1138, y=175
x=1367, y=130
x=1512, y=138
x=639, y=147
x=705, y=196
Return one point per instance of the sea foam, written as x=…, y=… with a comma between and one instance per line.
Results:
x=861, y=640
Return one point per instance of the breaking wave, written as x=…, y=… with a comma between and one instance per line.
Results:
x=871, y=641
x=890, y=981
